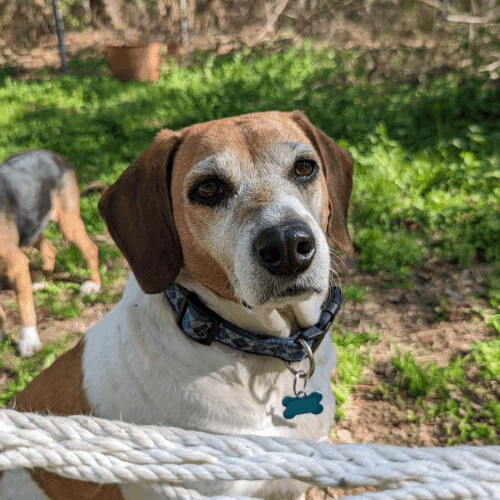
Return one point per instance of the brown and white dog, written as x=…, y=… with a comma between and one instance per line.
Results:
x=215, y=207
x=36, y=187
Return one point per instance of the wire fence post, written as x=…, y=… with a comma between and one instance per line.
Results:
x=184, y=23
x=60, y=34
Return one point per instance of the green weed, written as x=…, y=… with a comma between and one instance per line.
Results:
x=486, y=356
x=352, y=355
x=354, y=293
x=421, y=379
x=450, y=392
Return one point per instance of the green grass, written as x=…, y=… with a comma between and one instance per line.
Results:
x=23, y=370
x=452, y=392
x=426, y=156
x=353, y=353
x=354, y=292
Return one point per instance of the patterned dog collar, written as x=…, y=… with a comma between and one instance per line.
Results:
x=203, y=325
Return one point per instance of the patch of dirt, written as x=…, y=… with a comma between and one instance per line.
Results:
x=436, y=320
x=408, y=318
x=87, y=43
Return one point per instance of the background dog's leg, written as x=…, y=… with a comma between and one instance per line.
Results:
x=18, y=273
x=3, y=319
x=15, y=265
x=69, y=220
x=48, y=253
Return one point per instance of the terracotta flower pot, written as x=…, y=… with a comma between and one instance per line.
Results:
x=134, y=60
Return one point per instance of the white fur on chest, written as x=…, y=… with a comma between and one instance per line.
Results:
x=140, y=367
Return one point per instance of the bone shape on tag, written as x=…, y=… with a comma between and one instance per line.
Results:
x=308, y=403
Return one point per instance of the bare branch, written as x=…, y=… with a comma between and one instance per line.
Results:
x=455, y=17
x=270, y=22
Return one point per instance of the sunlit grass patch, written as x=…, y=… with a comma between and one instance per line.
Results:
x=461, y=394
x=94, y=224
x=62, y=299
x=486, y=357
x=422, y=379
x=354, y=292
x=23, y=370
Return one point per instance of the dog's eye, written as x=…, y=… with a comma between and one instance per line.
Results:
x=208, y=192
x=207, y=189
x=305, y=168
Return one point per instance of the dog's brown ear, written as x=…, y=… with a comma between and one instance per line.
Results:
x=338, y=168
x=137, y=209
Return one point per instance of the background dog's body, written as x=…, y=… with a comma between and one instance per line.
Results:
x=36, y=187
x=236, y=211
x=28, y=183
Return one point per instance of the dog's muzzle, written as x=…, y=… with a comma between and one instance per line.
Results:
x=286, y=249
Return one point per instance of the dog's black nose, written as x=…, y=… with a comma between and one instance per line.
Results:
x=287, y=249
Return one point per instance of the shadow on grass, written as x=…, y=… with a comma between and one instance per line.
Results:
x=342, y=104
x=101, y=124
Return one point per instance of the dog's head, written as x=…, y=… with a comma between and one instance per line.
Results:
x=247, y=205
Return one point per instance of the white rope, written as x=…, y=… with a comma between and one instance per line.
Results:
x=113, y=452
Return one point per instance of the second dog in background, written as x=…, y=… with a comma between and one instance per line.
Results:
x=37, y=187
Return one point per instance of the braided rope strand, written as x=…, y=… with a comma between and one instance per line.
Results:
x=113, y=452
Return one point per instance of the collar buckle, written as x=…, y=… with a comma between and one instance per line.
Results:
x=330, y=309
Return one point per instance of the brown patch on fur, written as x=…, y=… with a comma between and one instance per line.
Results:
x=67, y=216
x=209, y=273
x=325, y=209
x=338, y=167
x=58, y=390
x=60, y=488
x=15, y=265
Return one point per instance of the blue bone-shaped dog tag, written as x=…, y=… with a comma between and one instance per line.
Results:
x=306, y=403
